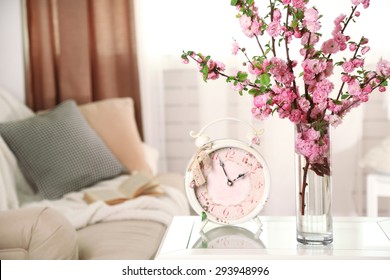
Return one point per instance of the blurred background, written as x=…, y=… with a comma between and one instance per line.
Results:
x=175, y=100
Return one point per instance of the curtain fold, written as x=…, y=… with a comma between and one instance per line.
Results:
x=82, y=50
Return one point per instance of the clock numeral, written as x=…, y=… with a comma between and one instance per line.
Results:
x=215, y=156
x=230, y=153
x=226, y=212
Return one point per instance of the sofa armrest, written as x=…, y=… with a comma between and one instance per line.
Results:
x=36, y=233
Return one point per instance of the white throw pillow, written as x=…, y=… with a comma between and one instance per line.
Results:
x=11, y=178
x=11, y=109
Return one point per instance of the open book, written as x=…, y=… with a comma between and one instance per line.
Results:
x=137, y=184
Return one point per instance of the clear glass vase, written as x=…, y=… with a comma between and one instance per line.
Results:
x=313, y=185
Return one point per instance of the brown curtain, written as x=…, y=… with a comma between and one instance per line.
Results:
x=82, y=50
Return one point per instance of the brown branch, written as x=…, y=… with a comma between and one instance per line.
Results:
x=304, y=185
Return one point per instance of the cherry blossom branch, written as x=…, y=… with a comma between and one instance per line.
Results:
x=349, y=19
x=272, y=5
x=261, y=48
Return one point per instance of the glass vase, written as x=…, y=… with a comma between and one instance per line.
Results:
x=313, y=184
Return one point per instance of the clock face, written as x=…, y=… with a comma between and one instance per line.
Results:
x=236, y=187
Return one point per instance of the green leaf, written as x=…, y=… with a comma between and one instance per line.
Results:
x=250, y=2
x=233, y=2
x=265, y=79
x=242, y=76
x=254, y=92
x=338, y=102
x=205, y=72
x=294, y=24
x=344, y=96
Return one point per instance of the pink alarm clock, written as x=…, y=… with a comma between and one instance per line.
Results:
x=227, y=181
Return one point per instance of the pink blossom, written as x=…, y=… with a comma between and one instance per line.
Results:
x=311, y=14
x=245, y=22
x=335, y=120
x=286, y=2
x=304, y=104
x=250, y=26
x=313, y=26
x=299, y=4
x=322, y=91
x=348, y=67
x=185, y=60
x=313, y=39
x=309, y=149
x=274, y=28
x=367, y=89
x=238, y=87
x=255, y=69
x=330, y=47
x=345, y=78
x=260, y=100
x=316, y=112
x=365, y=50
x=295, y=116
x=357, y=62
x=312, y=145
x=235, y=48
x=354, y=87
x=339, y=19
x=382, y=89
x=311, y=134
x=280, y=71
x=311, y=20
x=255, y=28
x=297, y=34
x=334, y=108
x=383, y=68
x=277, y=15
x=363, y=97
x=315, y=66
x=212, y=76
x=261, y=114
x=366, y=3
x=341, y=40
x=352, y=47
x=220, y=65
x=329, y=69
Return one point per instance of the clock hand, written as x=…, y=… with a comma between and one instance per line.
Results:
x=229, y=182
x=242, y=175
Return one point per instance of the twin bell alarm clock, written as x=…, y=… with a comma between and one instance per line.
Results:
x=227, y=181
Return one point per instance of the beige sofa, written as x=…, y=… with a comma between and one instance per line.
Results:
x=42, y=219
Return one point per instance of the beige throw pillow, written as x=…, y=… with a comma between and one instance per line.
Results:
x=114, y=121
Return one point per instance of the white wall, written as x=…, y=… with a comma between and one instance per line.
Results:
x=11, y=48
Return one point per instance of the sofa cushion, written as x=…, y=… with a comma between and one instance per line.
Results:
x=58, y=152
x=40, y=233
x=120, y=240
x=114, y=121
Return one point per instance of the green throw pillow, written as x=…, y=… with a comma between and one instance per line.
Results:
x=58, y=152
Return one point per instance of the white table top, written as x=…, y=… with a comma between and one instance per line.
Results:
x=354, y=238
